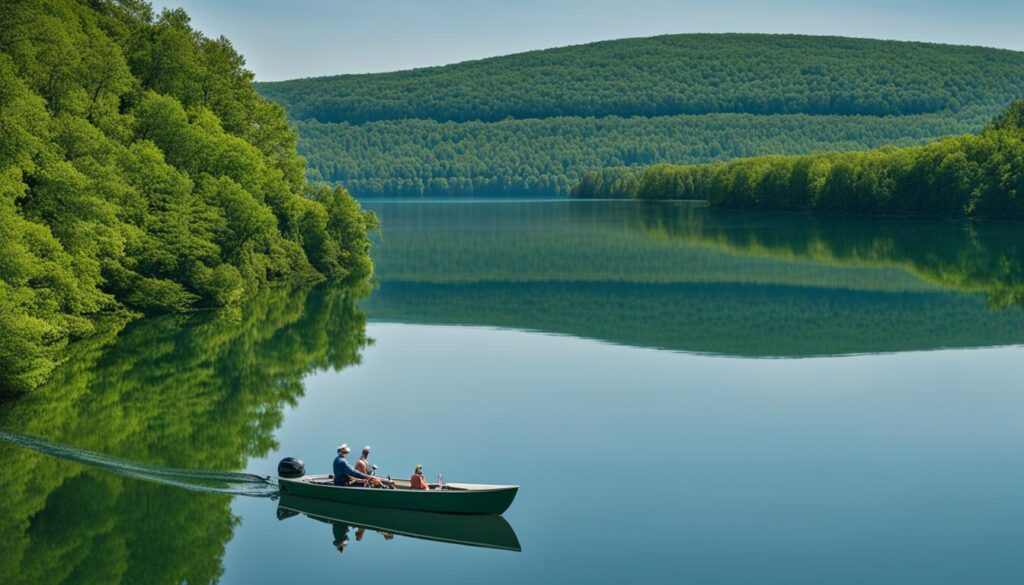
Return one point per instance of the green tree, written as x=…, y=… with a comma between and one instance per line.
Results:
x=979, y=176
x=140, y=170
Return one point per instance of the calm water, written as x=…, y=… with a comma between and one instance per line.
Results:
x=683, y=395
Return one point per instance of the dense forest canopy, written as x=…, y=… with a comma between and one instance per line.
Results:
x=980, y=176
x=139, y=169
x=549, y=156
x=536, y=122
x=671, y=75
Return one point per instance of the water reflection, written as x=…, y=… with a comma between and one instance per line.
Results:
x=955, y=255
x=204, y=391
x=471, y=530
x=695, y=279
x=896, y=468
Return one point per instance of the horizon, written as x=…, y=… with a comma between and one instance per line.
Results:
x=587, y=43
x=289, y=40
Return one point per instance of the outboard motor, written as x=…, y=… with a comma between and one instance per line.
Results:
x=291, y=467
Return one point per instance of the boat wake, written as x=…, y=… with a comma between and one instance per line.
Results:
x=221, y=482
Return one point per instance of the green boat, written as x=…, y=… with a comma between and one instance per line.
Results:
x=450, y=498
x=487, y=531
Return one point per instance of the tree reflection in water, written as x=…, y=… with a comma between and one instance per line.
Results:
x=200, y=391
x=685, y=277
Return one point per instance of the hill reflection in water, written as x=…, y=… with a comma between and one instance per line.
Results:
x=684, y=277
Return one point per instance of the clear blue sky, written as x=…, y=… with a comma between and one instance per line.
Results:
x=282, y=39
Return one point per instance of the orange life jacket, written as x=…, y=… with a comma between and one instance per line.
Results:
x=418, y=483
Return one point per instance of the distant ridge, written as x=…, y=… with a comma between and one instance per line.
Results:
x=620, y=39
x=672, y=75
x=533, y=123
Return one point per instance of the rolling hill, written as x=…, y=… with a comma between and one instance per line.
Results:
x=535, y=122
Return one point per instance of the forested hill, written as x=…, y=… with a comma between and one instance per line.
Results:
x=974, y=175
x=535, y=123
x=672, y=75
x=140, y=170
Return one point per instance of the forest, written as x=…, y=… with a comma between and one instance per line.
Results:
x=671, y=75
x=140, y=172
x=549, y=156
x=533, y=124
x=975, y=175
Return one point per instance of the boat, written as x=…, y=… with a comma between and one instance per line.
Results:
x=487, y=531
x=449, y=498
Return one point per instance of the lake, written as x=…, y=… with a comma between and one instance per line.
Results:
x=683, y=395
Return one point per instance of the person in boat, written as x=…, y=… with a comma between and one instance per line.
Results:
x=340, y=530
x=362, y=530
x=345, y=475
x=363, y=465
x=418, y=482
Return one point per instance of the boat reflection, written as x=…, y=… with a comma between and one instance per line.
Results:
x=470, y=530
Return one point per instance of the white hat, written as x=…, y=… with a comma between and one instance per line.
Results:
x=343, y=447
x=366, y=448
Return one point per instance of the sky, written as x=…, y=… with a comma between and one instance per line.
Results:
x=285, y=39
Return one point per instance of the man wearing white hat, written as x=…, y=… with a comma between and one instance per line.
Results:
x=345, y=475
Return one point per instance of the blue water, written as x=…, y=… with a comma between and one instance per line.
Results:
x=640, y=464
x=683, y=395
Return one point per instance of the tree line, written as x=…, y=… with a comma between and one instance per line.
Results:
x=974, y=175
x=549, y=156
x=139, y=170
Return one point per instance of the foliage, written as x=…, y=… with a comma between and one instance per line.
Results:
x=532, y=124
x=139, y=169
x=979, y=176
x=549, y=156
x=671, y=75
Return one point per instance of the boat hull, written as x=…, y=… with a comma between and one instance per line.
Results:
x=460, y=499
x=485, y=531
